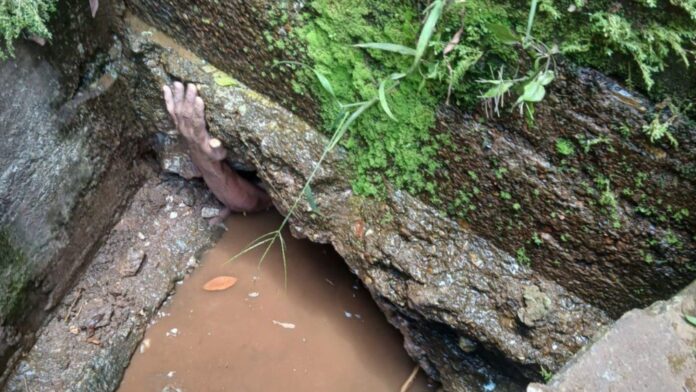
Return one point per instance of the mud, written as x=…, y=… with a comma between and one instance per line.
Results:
x=322, y=333
x=88, y=339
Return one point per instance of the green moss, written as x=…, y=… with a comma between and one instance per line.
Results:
x=23, y=17
x=564, y=147
x=14, y=278
x=401, y=151
x=633, y=40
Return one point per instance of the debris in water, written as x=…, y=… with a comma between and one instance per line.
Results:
x=284, y=325
x=171, y=374
x=330, y=282
x=407, y=384
x=489, y=386
x=348, y=314
x=173, y=332
x=144, y=345
x=220, y=283
x=253, y=294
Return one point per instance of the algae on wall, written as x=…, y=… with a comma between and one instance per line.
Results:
x=23, y=17
x=635, y=41
x=14, y=277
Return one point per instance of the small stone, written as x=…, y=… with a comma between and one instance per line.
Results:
x=536, y=306
x=173, y=215
x=209, y=212
x=467, y=345
x=130, y=265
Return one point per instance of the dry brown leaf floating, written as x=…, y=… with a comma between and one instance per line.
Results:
x=220, y=283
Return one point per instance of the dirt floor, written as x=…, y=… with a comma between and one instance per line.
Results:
x=89, y=338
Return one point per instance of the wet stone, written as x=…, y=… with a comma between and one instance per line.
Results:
x=130, y=264
x=647, y=350
x=209, y=212
x=536, y=306
x=95, y=314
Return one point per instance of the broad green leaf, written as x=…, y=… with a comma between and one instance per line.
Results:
x=690, y=319
x=502, y=33
x=533, y=92
x=388, y=48
x=546, y=77
x=383, y=99
x=324, y=82
x=498, y=90
x=428, y=30
x=397, y=76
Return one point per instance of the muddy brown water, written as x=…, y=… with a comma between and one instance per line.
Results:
x=241, y=339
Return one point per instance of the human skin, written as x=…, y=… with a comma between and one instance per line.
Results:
x=187, y=110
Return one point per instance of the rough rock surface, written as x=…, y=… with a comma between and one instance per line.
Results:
x=89, y=339
x=617, y=215
x=416, y=262
x=645, y=350
x=471, y=314
x=66, y=165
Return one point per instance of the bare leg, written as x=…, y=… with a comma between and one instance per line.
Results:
x=188, y=113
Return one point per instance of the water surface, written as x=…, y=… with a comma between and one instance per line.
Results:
x=242, y=339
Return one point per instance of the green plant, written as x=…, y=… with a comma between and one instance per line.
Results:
x=347, y=116
x=536, y=238
x=690, y=319
x=564, y=147
x=521, y=257
x=587, y=143
x=532, y=86
x=546, y=374
x=19, y=17
x=608, y=200
x=656, y=130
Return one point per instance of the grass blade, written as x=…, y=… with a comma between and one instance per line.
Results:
x=428, y=30
x=388, y=47
x=324, y=82
x=248, y=249
x=349, y=121
x=309, y=195
x=383, y=100
x=285, y=261
x=530, y=21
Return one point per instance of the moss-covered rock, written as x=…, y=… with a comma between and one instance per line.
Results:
x=14, y=273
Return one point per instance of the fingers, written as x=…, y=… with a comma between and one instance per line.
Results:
x=178, y=94
x=169, y=101
x=191, y=94
x=199, y=118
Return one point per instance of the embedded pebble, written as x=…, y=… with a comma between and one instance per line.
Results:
x=209, y=212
